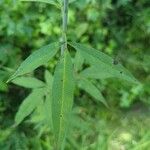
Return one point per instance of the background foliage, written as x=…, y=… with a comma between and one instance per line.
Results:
x=120, y=28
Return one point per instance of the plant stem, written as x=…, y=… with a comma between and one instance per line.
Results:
x=64, y=25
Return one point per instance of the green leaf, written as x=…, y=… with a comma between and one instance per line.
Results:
x=103, y=64
x=52, y=2
x=28, y=82
x=91, y=89
x=29, y=104
x=48, y=100
x=48, y=109
x=81, y=29
x=36, y=59
x=48, y=79
x=62, y=97
x=78, y=61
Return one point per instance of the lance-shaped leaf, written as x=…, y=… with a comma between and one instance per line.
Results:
x=48, y=109
x=52, y=2
x=48, y=79
x=62, y=97
x=48, y=100
x=29, y=104
x=91, y=89
x=102, y=71
x=28, y=82
x=36, y=59
x=103, y=64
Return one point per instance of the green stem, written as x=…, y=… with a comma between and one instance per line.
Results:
x=64, y=25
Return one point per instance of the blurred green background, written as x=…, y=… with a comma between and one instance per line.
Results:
x=119, y=28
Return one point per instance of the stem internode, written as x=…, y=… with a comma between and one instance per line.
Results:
x=64, y=25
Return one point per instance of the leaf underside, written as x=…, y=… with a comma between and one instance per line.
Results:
x=101, y=65
x=36, y=59
x=62, y=97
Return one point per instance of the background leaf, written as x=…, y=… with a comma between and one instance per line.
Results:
x=78, y=61
x=62, y=97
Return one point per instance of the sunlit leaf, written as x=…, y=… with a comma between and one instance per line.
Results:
x=36, y=59
x=62, y=97
x=28, y=105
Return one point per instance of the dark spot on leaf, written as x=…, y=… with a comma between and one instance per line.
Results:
x=61, y=116
x=121, y=72
x=44, y=98
x=115, y=62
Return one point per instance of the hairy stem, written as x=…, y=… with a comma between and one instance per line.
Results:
x=64, y=25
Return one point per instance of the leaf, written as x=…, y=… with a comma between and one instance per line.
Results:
x=102, y=64
x=62, y=97
x=81, y=29
x=48, y=109
x=48, y=100
x=28, y=82
x=48, y=79
x=28, y=105
x=36, y=59
x=52, y=2
x=78, y=61
x=91, y=89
